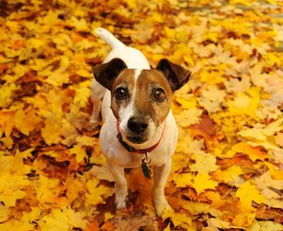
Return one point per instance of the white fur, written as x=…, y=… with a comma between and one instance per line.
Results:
x=132, y=57
x=117, y=156
x=127, y=112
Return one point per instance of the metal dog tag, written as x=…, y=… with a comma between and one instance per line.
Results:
x=145, y=167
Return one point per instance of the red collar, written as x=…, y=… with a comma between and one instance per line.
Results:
x=133, y=150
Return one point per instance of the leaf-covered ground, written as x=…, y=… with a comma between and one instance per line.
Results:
x=227, y=171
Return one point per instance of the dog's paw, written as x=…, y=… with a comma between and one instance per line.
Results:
x=161, y=205
x=94, y=122
x=93, y=125
x=121, y=197
x=120, y=203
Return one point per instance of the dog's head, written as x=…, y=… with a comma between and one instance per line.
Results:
x=140, y=99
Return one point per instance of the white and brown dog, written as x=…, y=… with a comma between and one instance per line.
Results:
x=139, y=128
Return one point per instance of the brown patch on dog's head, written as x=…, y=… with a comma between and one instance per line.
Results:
x=125, y=81
x=153, y=96
x=140, y=100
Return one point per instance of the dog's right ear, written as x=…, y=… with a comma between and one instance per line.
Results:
x=106, y=73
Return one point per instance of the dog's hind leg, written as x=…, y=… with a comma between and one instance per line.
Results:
x=97, y=93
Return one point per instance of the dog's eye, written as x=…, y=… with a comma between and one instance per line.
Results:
x=121, y=93
x=159, y=95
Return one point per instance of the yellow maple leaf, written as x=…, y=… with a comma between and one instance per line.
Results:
x=243, y=219
x=276, y=173
x=7, y=141
x=186, y=101
x=108, y=215
x=272, y=58
x=51, y=130
x=86, y=140
x=245, y=103
x=68, y=132
x=211, y=98
x=47, y=189
x=189, y=117
x=268, y=187
x=6, y=125
x=216, y=199
x=4, y=213
x=248, y=192
x=83, y=72
x=6, y=92
x=204, y=163
x=17, y=165
x=79, y=152
x=79, y=24
x=202, y=182
x=178, y=219
x=12, y=225
x=57, y=78
x=265, y=225
x=199, y=182
x=27, y=120
x=229, y=176
x=36, y=43
x=60, y=75
x=82, y=93
x=11, y=189
x=262, y=133
x=212, y=77
x=195, y=208
x=97, y=193
x=62, y=219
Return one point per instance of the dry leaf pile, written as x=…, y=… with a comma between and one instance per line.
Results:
x=227, y=172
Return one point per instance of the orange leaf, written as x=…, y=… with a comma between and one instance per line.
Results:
x=254, y=153
x=108, y=226
x=92, y=226
x=205, y=129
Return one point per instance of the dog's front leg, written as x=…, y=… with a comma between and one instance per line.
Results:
x=121, y=188
x=160, y=176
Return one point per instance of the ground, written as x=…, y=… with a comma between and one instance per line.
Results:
x=227, y=171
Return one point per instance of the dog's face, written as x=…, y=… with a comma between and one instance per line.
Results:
x=140, y=99
x=141, y=102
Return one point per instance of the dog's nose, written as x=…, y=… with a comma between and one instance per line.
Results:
x=137, y=124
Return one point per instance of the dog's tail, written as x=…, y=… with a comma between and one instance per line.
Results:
x=109, y=38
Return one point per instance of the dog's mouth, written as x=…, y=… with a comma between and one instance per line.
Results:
x=137, y=139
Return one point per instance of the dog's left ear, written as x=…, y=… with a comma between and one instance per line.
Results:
x=106, y=73
x=176, y=75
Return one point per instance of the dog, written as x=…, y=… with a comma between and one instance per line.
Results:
x=138, y=128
